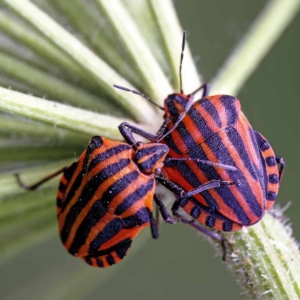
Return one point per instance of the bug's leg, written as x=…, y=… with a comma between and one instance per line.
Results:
x=162, y=128
x=163, y=210
x=281, y=162
x=177, y=190
x=208, y=185
x=200, y=228
x=94, y=143
x=40, y=182
x=182, y=199
x=127, y=129
x=154, y=227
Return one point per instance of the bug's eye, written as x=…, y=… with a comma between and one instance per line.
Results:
x=158, y=171
x=139, y=145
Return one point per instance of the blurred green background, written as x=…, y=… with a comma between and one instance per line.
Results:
x=181, y=264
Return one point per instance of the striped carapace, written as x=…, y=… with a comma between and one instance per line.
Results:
x=215, y=129
x=106, y=198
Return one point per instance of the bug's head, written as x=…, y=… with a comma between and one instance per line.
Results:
x=175, y=104
x=150, y=157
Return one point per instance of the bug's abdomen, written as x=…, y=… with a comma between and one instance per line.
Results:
x=242, y=202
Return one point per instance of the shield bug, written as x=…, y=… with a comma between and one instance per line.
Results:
x=106, y=198
x=214, y=129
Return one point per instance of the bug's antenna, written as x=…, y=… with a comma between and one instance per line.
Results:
x=181, y=59
x=137, y=93
x=204, y=87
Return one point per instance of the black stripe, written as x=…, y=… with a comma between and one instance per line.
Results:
x=99, y=262
x=110, y=260
x=273, y=178
x=170, y=142
x=271, y=196
x=72, y=191
x=170, y=103
x=59, y=202
x=95, y=142
x=239, y=146
x=62, y=187
x=107, y=154
x=210, y=109
x=120, y=248
x=230, y=109
x=88, y=260
x=148, y=164
x=271, y=161
x=123, y=247
x=109, y=231
x=261, y=169
x=88, y=192
x=150, y=150
x=200, y=123
x=139, y=218
x=98, y=211
x=227, y=226
x=195, y=212
x=68, y=173
x=261, y=142
x=210, y=221
x=134, y=197
x=181, y=100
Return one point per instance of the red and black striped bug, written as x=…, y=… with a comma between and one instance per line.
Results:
x=215, y=129
x=106, y=198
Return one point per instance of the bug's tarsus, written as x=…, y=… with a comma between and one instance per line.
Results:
x=154, y=227
x=281, y=162
x=137, y=93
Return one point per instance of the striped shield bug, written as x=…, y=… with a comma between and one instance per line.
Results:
x=242, y=181
x=106, y=198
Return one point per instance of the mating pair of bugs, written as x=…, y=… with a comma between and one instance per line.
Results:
x=223, y=173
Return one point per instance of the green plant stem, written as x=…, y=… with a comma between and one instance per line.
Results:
x=59, y=114
x=45, y=133
x=265, y=260
x=261, y=37
x=147, y=66
x=94, y=68
x=99, y=41
x=145, y=20
x=54, y=87
x=12, y=154
x=25, y=36
x=172, y=32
